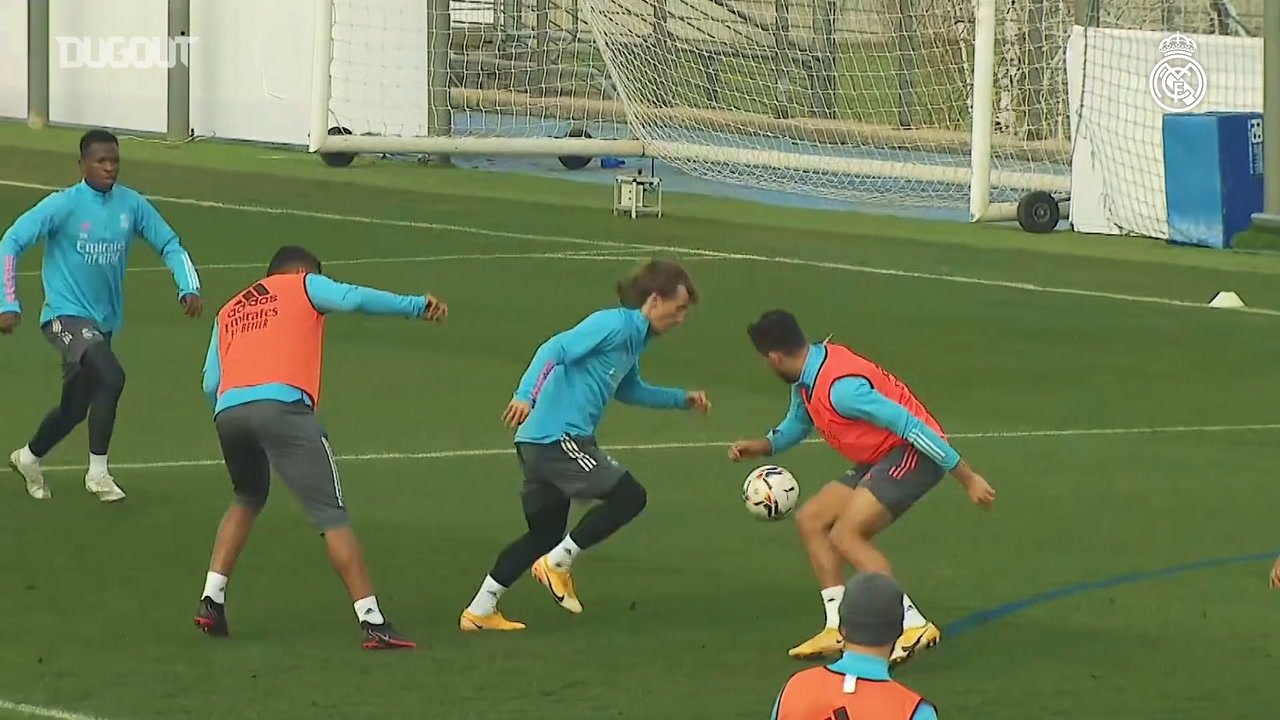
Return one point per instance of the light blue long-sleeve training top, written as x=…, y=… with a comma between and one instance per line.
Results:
x=854, y=398
x=574, y=374
x=867, y=667
x=328, y=296
x=88, y=235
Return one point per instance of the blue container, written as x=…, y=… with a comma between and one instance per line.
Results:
x=1212, y=175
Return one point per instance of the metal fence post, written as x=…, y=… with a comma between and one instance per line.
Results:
x=37, y=64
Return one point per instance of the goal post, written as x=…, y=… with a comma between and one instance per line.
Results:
x=916, y=102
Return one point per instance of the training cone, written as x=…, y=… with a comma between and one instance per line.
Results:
x=1226, y=299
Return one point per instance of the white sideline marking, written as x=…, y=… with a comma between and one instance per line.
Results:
x=963, y=279
x=485, y=452
x=603, y=255
x=44, y=712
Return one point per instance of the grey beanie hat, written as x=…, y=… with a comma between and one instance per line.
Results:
x=871, y=610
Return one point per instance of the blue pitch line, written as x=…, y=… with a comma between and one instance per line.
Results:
x=980, y=618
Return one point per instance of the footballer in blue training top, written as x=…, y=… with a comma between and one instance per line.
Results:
x=88, y=230
x=555, y=411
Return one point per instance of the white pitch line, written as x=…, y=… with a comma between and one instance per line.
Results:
x=368, y=220
x=597, y=255
x=565, y=239
x=44, y=712
x=487, y=452
x=1030, y=287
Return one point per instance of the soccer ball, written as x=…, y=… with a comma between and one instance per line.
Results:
x=770, y=492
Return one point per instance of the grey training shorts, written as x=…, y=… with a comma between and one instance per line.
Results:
x=260, y=436
x=71, y=336
x=570, y=468
x=899, y=480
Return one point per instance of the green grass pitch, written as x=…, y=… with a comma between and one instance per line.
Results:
x=690, y=611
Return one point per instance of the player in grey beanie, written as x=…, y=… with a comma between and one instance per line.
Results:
x=858, y=685
x=871, y=611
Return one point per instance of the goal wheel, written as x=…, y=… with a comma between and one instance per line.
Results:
x=576, y=162
x=1038, y=212
x=338, y=159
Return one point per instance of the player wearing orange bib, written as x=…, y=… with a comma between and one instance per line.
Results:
x=858, y=685
x=898, y=451
x=262, y=374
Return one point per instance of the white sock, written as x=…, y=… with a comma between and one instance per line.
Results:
x=26, y=457
x=97, y=464
x=367, y=611
x=486, y=600
x=561, y=557
x=911, y=617
x=831, y=598
x=215, y=587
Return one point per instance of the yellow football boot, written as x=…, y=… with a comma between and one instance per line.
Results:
x=470, y=622
x=827, y=643
x=913, y=640
x=559, y=582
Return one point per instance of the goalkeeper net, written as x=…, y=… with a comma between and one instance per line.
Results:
x=847, y=99
x=917, y=102
x=865, y=99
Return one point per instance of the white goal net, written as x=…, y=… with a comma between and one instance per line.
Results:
x=847, y=99
x=913, y=102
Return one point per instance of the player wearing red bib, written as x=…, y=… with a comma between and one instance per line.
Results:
x=898, y=450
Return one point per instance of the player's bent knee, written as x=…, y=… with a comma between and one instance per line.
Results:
x=329, y=522
x=844, y=532
x=116, y=380
x=853, y=544
x=813, y=519
x=108, y=375
x=251, y=503
x=329, y=519
x=628, y=495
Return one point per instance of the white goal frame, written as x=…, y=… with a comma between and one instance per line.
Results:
x=979, y=176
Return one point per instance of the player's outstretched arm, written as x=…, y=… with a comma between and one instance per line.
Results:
x=855, y=399
x=162, y=238
x=212, y=368
x=633, y=390
x=793, y=429
x=25, y=232
x=330, y=296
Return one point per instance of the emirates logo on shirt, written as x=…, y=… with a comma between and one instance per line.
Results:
x=99, y=253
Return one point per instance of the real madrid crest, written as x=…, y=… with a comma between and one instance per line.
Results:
x=1178, y=82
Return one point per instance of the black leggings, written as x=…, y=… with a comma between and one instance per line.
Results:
x=90, y=391
x=546, y=528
